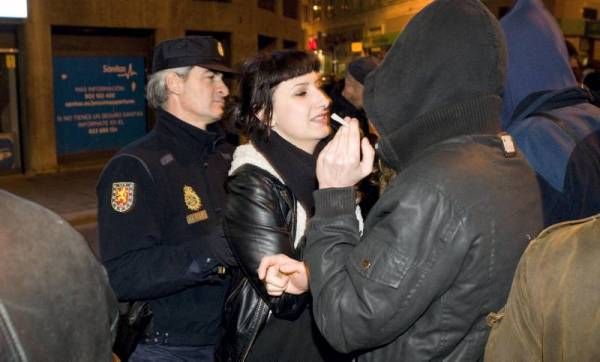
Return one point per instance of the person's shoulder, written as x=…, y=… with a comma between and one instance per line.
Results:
x=583, y=118
x=128, y=165
x=454, y=156
x=145, y=147
x=547, y=126
x=568, y=232
x=149, y=151
x=466, y=166
x=564, y=248
x=248, y=154
x=251, y=174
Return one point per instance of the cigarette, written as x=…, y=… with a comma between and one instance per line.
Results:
x=338, y=119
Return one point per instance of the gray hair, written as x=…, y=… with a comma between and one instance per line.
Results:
x=156, y=89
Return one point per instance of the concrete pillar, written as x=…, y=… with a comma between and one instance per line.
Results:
x=40, y=149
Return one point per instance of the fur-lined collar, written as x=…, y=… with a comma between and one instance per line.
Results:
x=248, y=154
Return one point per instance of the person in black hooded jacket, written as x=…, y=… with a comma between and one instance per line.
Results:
x=441, y=245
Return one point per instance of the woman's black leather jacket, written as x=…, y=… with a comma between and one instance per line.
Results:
x=260, y=220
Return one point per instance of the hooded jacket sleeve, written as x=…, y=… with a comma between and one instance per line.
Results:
x=256, y=224
x=140, y=264
x=368, y=292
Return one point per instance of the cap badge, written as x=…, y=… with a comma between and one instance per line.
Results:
x=122, y=196
x=220, y=49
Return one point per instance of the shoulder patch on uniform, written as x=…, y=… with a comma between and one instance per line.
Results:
x=123, y=196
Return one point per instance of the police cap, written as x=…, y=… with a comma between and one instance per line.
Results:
x=204, y=51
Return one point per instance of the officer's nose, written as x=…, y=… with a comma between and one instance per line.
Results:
x=222, y=88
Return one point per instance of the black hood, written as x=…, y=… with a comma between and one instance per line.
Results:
x=442, y=78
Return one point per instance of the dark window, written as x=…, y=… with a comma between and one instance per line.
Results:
x=267, y=4
x=590, y=14
x=266, y=43
x=291, y=8
x=290, y=44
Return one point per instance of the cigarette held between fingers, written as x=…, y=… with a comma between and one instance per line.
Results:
x=338, y=119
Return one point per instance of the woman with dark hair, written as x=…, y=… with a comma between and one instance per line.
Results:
x=285, y=114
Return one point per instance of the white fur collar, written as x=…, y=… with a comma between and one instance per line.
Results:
x=249, y=154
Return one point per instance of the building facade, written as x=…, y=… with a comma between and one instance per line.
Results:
x=342, y=29
x=45, y=127
x=72, y=72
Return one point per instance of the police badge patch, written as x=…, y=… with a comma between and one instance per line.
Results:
x=191, y=198
x=122, y=196
x=193, y=203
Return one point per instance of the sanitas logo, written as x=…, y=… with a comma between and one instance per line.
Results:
x=120, y=70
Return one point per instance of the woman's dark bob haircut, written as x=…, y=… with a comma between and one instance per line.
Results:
x=258, y=79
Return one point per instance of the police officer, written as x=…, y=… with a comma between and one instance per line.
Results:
x=160, y=201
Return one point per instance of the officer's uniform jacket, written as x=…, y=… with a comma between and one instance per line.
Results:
x=159, y=218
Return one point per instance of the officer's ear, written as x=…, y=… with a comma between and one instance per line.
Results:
x=174, y=83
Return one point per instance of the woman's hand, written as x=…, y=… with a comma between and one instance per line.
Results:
x=339, y=163
x=280, y=273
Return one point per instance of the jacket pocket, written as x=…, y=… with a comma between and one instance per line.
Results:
x=380, y=263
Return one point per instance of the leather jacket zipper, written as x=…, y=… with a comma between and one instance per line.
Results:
x=261, y=308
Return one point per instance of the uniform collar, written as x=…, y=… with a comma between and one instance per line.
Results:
x=190, y=139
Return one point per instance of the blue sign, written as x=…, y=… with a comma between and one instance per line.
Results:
x=98, y=102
